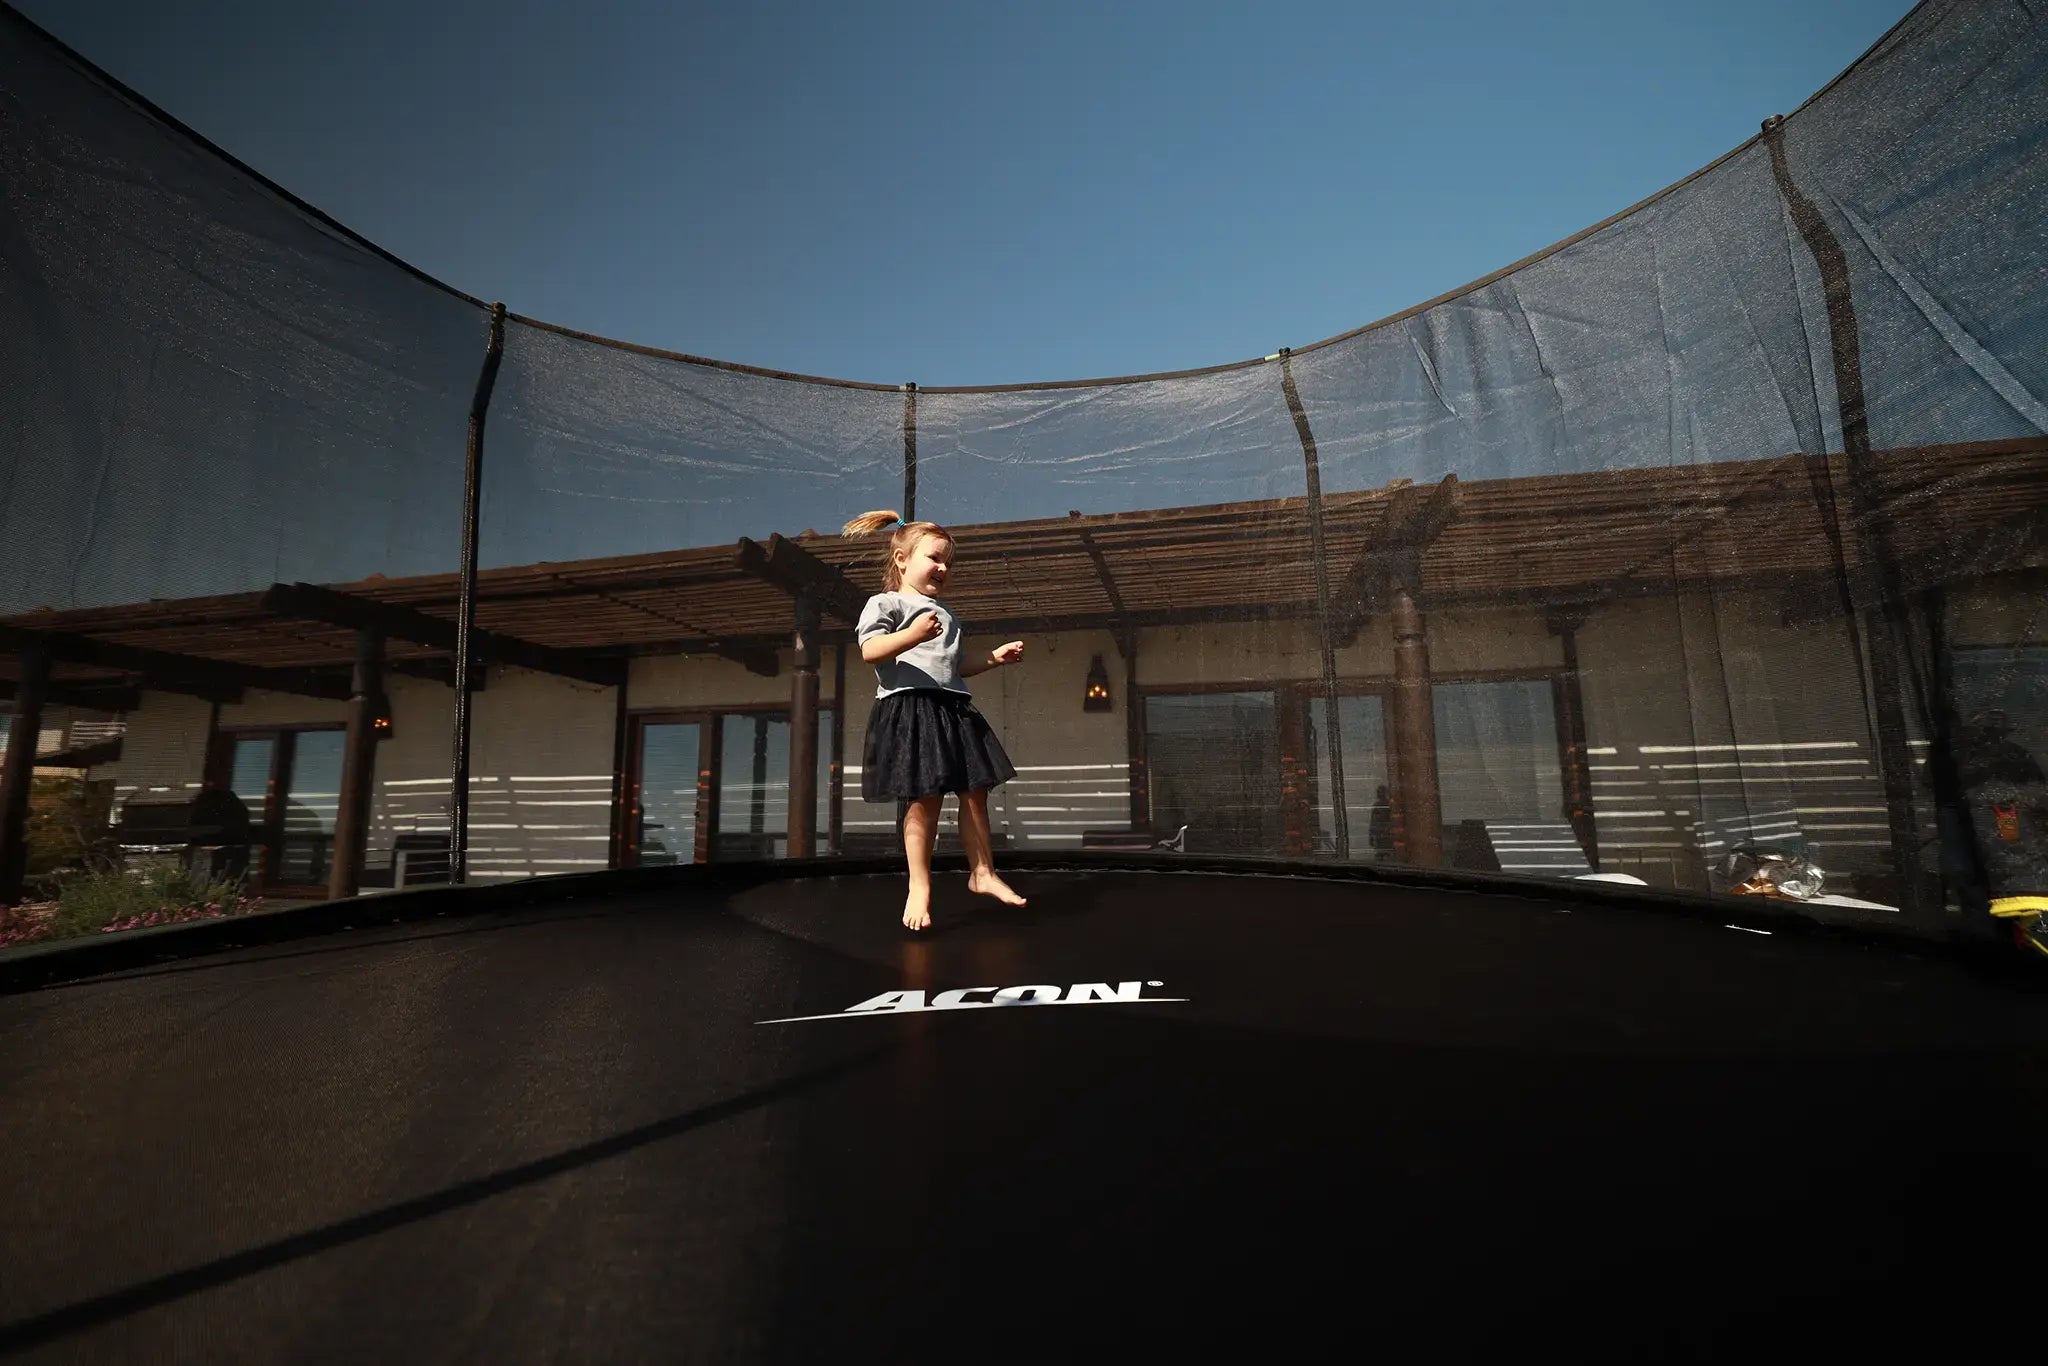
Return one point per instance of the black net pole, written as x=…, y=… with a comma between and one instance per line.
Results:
x=909, y=509
x=910, y=452
x=1882, y=628
x=1341, y=817
x=465, y=624
x=1963, y=865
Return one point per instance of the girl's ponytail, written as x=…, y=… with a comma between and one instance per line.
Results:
x=868, y=523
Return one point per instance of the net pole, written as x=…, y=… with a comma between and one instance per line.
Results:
x=1341, y=817
x=909, y=512
x=1881, y=631
x=465, y=623
x=1961, y=859
x=910, y=452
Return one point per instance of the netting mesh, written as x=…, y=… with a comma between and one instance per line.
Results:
x=597, y=451
x=203, y=388
x=1715, y=528
x=1672, y=336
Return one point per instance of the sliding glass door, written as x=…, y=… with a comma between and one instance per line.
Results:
x=290, y=780
x=714, y=785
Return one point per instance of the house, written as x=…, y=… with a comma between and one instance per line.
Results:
x=1577, y=672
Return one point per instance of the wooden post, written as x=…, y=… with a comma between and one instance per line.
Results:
x=1418, y=811
x=1564, y=623
x=359, y=761
x=1134, y=735
x=803, y=732
x=23, y=734
x=1297, y=803
x=835, y=825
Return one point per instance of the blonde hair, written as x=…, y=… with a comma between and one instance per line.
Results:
x=905, y=539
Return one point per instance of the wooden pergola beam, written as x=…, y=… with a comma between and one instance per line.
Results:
x=310, y=602
x=797, y=572
x=1413, y=517
x=434, y=670
x=116, y=697
x=162, y=671
x=1120, y=618
x=761, y=660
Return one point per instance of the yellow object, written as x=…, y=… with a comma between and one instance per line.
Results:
x=2019, y=905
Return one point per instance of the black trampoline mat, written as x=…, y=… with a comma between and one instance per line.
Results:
x=1425, y=1121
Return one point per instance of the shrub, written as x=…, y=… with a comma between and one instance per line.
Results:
x=67, y=823
x=108, y=899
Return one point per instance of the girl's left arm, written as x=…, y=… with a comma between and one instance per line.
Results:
x=993, y=659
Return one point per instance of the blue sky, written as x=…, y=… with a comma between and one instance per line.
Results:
x=970, y=193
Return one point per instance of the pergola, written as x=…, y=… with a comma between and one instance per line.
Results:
x=1871, y=536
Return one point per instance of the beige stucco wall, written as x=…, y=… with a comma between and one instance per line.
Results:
x=2013, y=611
x=541, y=776
x=1698, y=706
x=163, y=751
x=1073, y=770
x=50, y=736
x=684, y=682
x=1291, y=650
x=412, y=774
x=540, y=759
x=260, y=708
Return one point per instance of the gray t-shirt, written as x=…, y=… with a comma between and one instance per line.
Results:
x=933, y=663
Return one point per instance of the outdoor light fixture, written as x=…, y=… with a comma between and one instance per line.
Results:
x=380, y=722
x=1096, y=698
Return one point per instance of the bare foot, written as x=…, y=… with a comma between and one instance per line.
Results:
x=917, y=910
x=988, y=884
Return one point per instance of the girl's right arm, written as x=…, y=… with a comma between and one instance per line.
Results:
x=875, y=649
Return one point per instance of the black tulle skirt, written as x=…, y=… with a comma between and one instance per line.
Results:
x=924, y=741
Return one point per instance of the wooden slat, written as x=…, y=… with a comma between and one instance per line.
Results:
x=1625, y=531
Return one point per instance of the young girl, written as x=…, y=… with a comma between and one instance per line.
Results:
x=925, y=738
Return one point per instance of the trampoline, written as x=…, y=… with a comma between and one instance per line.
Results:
x=1284, y=1113
x=1707, y=539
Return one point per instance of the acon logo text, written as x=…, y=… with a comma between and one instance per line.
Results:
x=991, y=998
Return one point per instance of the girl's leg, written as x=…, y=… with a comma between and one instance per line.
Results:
x=920, y=831
x=981, y=862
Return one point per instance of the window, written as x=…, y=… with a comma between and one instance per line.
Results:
x=1498, y=765
x=1368, y=802
x=753, y=785
x=1213, y=762
x=715, y=785
x=290, y=779
x=1217, y=763
x=2001, y=696
x=665, y=805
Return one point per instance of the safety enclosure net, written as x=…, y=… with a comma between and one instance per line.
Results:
x=1704, y=548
